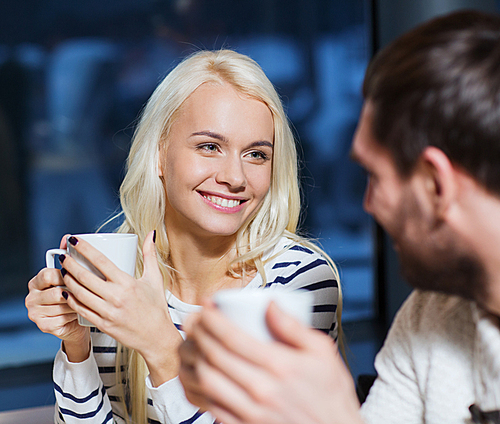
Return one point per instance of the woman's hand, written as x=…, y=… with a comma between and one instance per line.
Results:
x=132, y=311
x=49, y=310
x=300, y=378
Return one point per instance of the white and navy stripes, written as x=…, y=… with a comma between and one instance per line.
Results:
x=87, y=392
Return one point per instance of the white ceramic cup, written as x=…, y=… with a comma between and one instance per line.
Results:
x=247, y=307
x=121, y=249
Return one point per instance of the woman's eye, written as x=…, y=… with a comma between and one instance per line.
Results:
x=210, y=147
x=258, y=155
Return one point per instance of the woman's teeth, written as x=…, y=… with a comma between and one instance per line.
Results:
x=225, y=203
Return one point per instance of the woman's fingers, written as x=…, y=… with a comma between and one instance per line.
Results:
x=106, y=267
x=49, y=307
x=85, y=311
x=45, y=279
x=55, y=324
x=45, y=297
x=49, y=310
x=84, y=284
x=85, y=290
x=64, y=241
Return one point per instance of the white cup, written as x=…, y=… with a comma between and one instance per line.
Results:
x=247, y=307
x=121, y=249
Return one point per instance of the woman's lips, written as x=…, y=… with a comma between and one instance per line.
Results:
x=223, y=203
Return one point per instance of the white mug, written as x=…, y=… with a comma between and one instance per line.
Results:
x=121, y=249
x=247, y=307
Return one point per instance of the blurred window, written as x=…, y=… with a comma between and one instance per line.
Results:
x=73, y=78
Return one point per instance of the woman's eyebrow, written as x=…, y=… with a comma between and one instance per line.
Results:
x=217, y=136
x=211, y=134
x=261, y=143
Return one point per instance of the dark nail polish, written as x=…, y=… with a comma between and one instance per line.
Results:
x=73, y=240
x=62, y=258
x=154, y=236
x=63, y=272
x=65, y=295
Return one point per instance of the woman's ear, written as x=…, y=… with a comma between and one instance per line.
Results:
x=160, y=161
x=441, y=180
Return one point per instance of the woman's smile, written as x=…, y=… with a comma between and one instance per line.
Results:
x=223, y=204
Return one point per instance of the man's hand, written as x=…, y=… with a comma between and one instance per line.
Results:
x=299, y=378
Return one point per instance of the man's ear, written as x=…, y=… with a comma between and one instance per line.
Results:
x=441, y=182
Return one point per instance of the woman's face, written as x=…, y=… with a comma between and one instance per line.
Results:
x=217, y=163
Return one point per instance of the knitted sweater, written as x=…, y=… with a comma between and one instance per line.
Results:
x=441, y=355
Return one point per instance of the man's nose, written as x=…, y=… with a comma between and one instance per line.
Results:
x=367, y=198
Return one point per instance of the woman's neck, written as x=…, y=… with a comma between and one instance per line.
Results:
x=201, y=266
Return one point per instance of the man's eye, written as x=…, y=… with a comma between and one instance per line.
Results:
x=367, y=173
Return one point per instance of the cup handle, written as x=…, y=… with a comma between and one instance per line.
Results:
x=49, y=256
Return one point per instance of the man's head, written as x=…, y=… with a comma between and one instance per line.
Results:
x=431, y=127
x=439, y=85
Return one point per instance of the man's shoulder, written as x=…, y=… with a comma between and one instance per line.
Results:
x=425, y=366
x=424, y=302
x=431, y=313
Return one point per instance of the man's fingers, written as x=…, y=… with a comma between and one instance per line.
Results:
x=223, y=416
x=230, y=336
x=239, y=369
x=286, y=329
x=222, y=390
x=189, y=352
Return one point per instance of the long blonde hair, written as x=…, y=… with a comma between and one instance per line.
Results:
x=143, y=197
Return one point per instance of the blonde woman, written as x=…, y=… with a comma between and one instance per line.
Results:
x=212, y=192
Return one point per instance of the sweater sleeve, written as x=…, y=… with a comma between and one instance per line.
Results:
x=80, y=393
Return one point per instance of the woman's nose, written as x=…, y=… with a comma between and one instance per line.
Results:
x=232, y=174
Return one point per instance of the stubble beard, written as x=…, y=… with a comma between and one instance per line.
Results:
x=437, y=260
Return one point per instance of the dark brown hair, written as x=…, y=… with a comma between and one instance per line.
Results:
x=439, y=85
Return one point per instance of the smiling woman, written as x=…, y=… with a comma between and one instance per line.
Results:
x=216, y=165
x=212, y=192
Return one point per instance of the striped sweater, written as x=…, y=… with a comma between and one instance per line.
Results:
x=87, y=392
